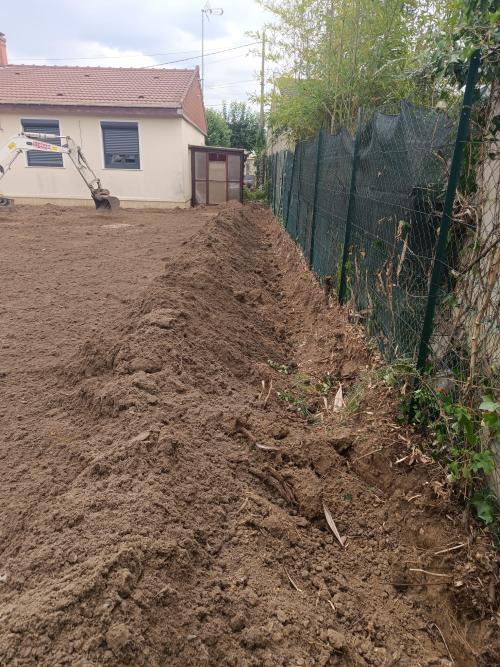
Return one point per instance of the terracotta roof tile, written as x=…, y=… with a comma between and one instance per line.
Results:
x=95, y=86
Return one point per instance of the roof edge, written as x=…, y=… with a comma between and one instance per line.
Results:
x=99, y=68
x=195, y=125
x=88, y=109
x=195, y=83
x=148, y=112
x=216, y=148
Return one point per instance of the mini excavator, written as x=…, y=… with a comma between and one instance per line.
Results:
x=31, y=141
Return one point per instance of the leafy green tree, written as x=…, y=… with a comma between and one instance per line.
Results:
x=333, y=56
x=243, y=124
x=463, y=26
x=218, y=133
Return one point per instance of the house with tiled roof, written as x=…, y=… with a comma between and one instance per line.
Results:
x=135, y=126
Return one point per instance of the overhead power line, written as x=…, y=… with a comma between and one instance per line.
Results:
x=231, y=83
x=227, y=104
x=212, y=53
x=148, y=55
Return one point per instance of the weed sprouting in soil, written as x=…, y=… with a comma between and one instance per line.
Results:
x=299, y=404
x=284, y=369
x=306, y=395
x=360, y=389
x=459, y=436
x=257, y=195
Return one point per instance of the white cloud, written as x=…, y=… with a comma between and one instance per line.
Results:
x=102, y=55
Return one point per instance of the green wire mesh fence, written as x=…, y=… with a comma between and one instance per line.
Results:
x=400, y=185
x=371, y=207
x=400, y=177
x=403, y=220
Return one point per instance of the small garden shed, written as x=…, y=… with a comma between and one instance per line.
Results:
x=216, y=174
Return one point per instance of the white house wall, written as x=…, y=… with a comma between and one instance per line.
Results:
x=191, y=137
x=163, y=179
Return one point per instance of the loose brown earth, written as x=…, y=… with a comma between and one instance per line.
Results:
x=169, y=444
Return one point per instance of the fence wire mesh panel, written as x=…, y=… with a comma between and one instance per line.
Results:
x=400, y=180
x=400, y=185
x=306, y=194
x=288, y=165
x=292, y=218
x=271, y=181
x=401, y=177
x=334, y=176
x=465, y=345
x=279, y=175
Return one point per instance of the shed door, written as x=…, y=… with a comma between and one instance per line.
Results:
x=234, y=176
x=217, y=178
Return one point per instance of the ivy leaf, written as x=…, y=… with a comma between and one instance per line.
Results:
x=484, y=508
x=489, y=405
x=492, y=421
x=482, y=461
x=470, y=434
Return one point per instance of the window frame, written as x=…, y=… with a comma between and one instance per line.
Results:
x=58, y=158
x=112, y=124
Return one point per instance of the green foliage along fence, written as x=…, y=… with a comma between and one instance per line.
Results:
x=382, y=192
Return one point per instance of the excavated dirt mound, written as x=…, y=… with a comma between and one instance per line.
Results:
x=176, y=512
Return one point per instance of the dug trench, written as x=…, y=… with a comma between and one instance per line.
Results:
x=187, y=522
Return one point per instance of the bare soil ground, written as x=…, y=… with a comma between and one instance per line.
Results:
x=168, y=447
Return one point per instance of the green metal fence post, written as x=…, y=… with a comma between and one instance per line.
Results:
x=269, y=184
x=276, y=187
x=282, y=184
x=299, y=181
x=315, y=199
x=456, y=162
x=273, y=179
x=276, y=190
x=350, y=211
x=289, y=197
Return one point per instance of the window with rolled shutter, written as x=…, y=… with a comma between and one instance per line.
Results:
x=121, y=145
x=38, y=158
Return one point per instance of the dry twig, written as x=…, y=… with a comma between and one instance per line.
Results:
x=444, y=640
x=264, y=405
x=444, y=551
x=433, y=574
x=333, y=527
x=293, y=582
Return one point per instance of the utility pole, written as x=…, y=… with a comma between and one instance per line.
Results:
x=262, y=80
x=206, y=11
x=261, y=159
x=202, y=53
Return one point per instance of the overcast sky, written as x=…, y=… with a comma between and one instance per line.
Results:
x=138, y=33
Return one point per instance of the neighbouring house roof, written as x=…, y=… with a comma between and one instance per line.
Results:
x=135, y=91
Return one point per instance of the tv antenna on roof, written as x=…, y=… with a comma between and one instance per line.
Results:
x=207, y=11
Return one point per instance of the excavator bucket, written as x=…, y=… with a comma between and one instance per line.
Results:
x=104, y=201
x=107, y=203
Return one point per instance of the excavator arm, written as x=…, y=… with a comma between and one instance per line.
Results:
x=29, y=141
